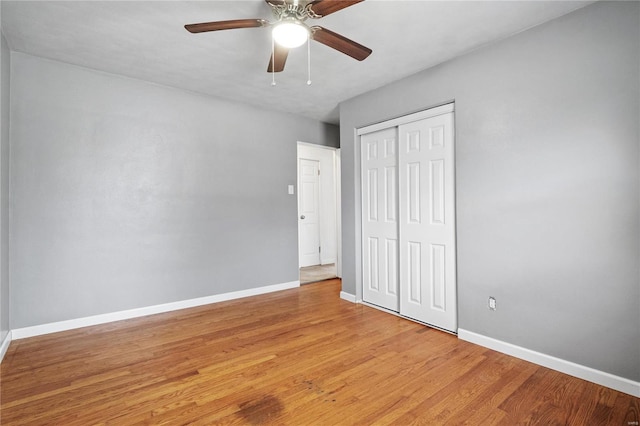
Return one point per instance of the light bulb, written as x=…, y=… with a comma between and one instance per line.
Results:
x=290, y=34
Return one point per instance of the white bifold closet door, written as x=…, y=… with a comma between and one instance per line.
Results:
x=380, y=218
x=408, y=223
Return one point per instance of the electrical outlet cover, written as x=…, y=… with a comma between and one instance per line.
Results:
x=492, y=303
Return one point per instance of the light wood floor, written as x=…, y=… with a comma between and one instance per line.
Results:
x=312, y=274
x=297, y=357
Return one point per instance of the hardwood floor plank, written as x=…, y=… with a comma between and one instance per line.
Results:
x=510, y=375
x=300, y=356
x=625, y=411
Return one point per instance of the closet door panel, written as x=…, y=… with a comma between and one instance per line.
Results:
x=380, y=218
x=427, y=221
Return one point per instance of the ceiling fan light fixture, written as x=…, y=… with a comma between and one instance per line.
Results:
x=290, y=34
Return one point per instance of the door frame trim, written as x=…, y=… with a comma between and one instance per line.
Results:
x=337, y=193
x=416, y=116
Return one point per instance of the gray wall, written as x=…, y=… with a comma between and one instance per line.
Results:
x=548, y=189
x=4, y=186
x=129, y=194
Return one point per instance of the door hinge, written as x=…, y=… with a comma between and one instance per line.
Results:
x=318, y=172
x=319, y=249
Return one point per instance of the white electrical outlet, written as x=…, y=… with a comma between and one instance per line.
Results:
x=492, y=303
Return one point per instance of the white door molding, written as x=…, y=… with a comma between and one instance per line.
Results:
x=405, y=119
x=329, y=212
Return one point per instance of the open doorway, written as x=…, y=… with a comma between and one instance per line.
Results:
x=318, y=212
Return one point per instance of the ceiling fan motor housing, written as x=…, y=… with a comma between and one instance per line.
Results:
x=295, y=11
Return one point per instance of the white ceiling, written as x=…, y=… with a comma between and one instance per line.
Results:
x=147, y=40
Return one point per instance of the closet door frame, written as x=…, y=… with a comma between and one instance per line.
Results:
x=359, y=132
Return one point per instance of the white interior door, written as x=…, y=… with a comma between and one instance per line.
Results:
x=327, y=199
x=308, y=210
x=379, y=218
x=427, y=221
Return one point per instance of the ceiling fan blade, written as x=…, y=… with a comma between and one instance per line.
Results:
x=340, y=43
x=326, y=7
x=280, y=55
x=225, y=25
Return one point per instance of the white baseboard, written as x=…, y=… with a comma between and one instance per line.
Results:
x=4, y=346
x=348, y=297
x=36, y=330
x=582, y=372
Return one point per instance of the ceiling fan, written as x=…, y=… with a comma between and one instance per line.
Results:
x=290, y=31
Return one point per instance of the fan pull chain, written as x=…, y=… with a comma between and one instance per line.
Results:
x=308, y=61
x=273, y=62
